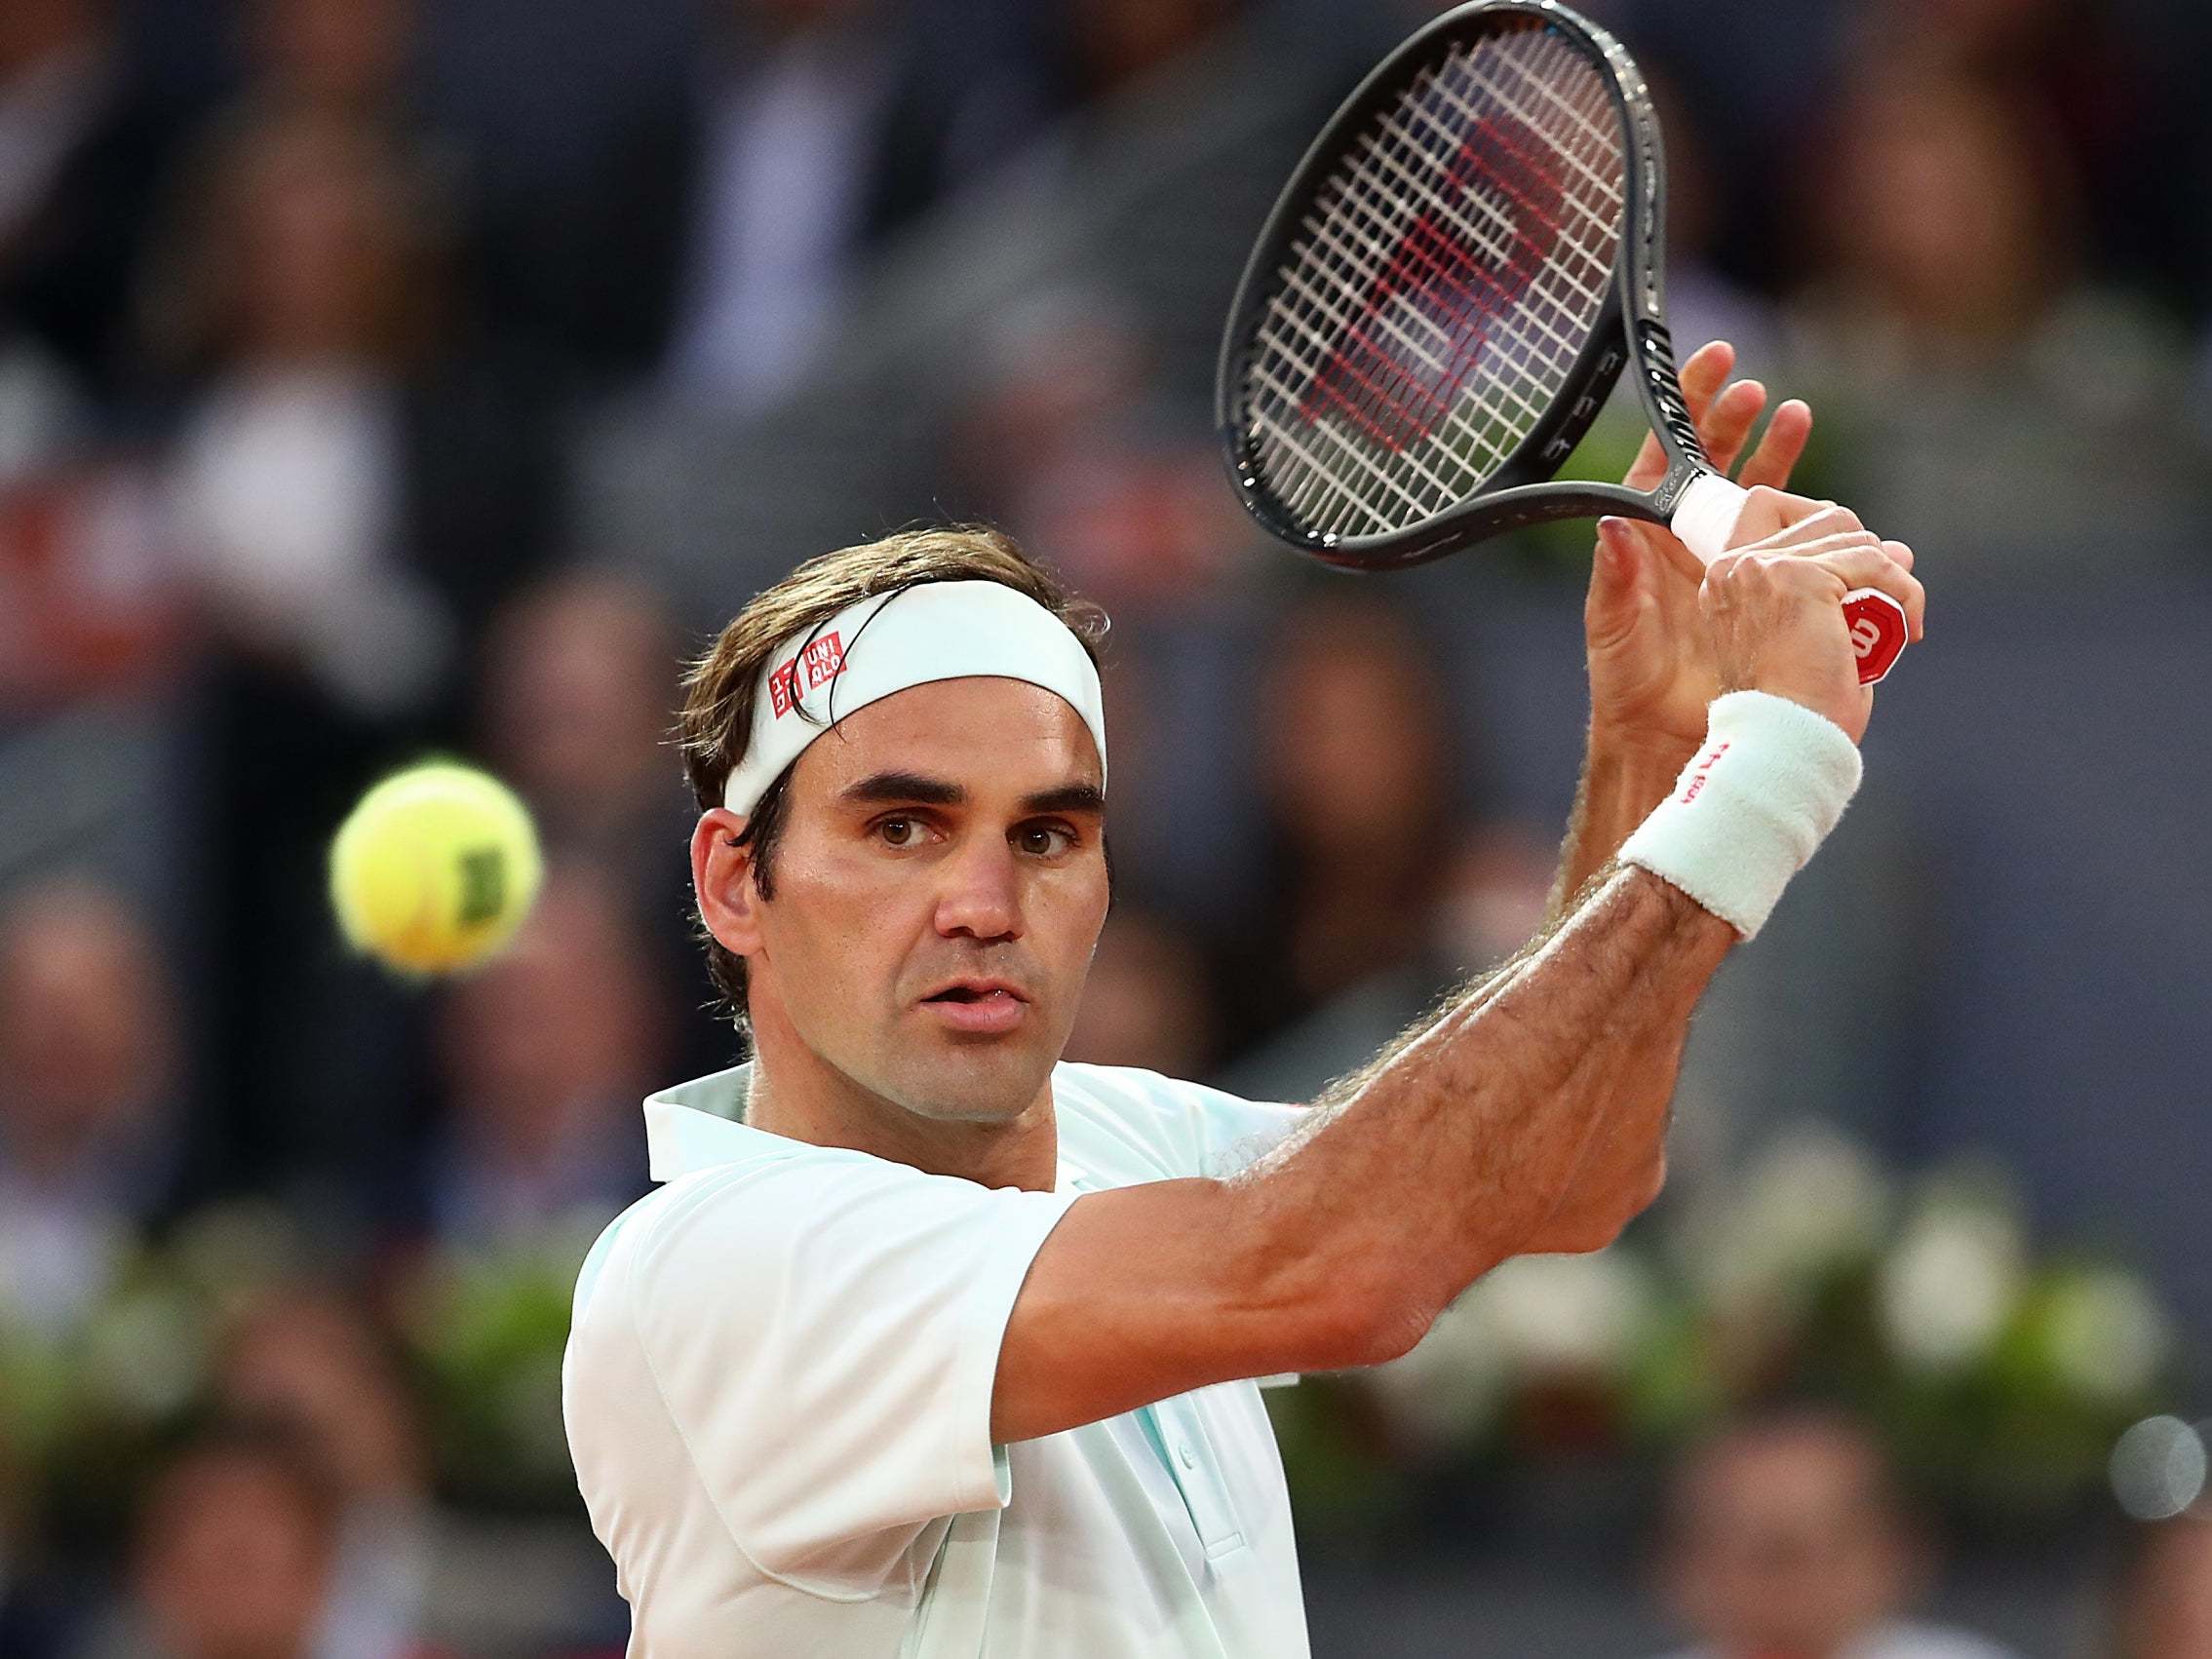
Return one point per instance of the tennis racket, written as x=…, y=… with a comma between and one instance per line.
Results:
x=1445, y=292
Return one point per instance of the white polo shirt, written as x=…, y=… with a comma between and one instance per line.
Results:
x=778, y=1397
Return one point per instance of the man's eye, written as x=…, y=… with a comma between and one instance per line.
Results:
x=1045, y=840
x=898, y=831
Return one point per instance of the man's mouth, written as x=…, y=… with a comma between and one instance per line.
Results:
x=982, y=1007
x=979, y=991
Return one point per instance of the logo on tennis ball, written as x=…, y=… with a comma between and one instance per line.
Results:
x=484, y=884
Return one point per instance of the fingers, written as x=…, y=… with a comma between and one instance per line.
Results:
x=1728, y=421
x=1854, y=558
x=1869, y=565
x=1702, y=376
x=1705, y=373
x=1780, y=448
x=1781, y=518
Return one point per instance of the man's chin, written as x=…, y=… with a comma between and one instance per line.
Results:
x=967, y=1080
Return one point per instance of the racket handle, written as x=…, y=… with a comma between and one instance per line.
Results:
x=1706, y=516
x=1705, y=519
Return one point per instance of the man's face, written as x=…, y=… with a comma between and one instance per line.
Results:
x=939, y=886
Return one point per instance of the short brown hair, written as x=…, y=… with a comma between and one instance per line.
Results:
x=718, y=688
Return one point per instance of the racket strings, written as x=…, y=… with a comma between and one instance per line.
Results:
x=1441, y=289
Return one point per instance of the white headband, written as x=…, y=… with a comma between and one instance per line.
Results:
x=868, y=650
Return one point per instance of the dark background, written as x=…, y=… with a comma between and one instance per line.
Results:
x=380, y=378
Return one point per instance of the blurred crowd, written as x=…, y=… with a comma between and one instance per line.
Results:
x=380, y=378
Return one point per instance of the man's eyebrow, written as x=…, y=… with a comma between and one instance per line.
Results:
x=1068, y=798
x=893, y=789
x=913, y=789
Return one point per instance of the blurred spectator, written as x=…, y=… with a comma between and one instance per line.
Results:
x=575, y=684
x=1948, y=222
x=1360, y=779
x=1066, y=439
x=232, y=1558
x=836, y=123
x=2167, y=1595
x=354, y=488
x=86, y=601
x=576, y=680
x=1046, y=376
x=1787, y=1537
x=1112, y=46
x=89, y=1055
x=1148, y=1001
x=2089, y=72
x=358, y=62
x=349, y=490
x=1952, y=335
x=85, y=138
x=319, y=1364
x=1704, y=300
x=547, y=1053
x=342, y=56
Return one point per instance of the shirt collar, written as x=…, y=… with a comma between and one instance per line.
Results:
x=697, y=1125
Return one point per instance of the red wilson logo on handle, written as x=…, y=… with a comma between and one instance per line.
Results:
x=1879, y=631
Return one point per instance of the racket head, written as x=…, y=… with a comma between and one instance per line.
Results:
x=1447, y=290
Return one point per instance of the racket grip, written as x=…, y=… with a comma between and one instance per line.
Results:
x=1706, y=516
x=1705, y=519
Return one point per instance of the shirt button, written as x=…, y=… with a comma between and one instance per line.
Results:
x=1188, y=1457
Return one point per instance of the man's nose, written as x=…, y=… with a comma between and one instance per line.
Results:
x=981, y=895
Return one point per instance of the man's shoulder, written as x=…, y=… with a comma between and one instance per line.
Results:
x=1180, y=1127
x=754, y=1193
x=1124, y=1088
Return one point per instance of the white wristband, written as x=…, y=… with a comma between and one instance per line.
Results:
x=1761, y=793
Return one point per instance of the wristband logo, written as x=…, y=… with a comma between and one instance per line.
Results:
x=1697, y=777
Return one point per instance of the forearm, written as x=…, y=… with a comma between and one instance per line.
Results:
x=1458, y=1150
x=1623, y=778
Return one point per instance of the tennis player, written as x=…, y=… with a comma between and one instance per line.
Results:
x=934, y=1345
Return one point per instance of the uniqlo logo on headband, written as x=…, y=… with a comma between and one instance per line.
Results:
x=823, y=660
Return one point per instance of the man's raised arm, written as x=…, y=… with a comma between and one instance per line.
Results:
x=1529, y=1116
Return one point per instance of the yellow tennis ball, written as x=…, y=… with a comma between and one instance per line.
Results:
x=435, y=869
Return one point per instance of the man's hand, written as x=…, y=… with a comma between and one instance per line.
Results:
x=1651, y=666
x=1774, y=607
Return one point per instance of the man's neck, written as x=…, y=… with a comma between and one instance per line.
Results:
x=802, y=1098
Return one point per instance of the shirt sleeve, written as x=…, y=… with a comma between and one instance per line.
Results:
x=823, y=1331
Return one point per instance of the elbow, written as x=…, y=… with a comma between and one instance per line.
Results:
x=1583, y=1228
x=1329, y=1305
x=1367, y=1320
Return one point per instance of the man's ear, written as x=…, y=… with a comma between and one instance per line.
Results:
x=721, y=874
